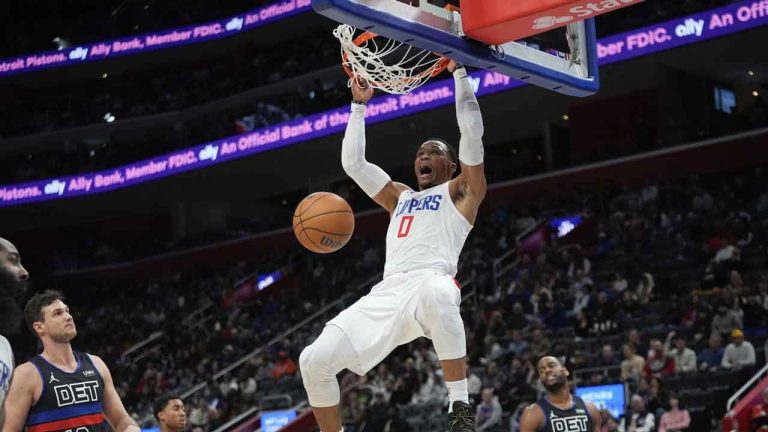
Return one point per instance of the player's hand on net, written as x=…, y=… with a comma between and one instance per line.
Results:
x=361, y=90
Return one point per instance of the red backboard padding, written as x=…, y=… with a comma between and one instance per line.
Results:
x=495, y=22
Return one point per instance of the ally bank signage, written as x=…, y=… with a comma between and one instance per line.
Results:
x=153, y=41
x=682, y=31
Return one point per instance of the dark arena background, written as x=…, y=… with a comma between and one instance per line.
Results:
x=152, y=153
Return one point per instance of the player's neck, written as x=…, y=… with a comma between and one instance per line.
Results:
x=60, y=354
x=561, y=398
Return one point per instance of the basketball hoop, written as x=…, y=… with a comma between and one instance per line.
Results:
x=386, y=64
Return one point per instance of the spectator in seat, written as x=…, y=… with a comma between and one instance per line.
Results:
x=488, y=412
x=634, y=338
x=684, y=357
x=474, y=384
x=540, y=345
x=633, y=364
x=739, y=353
x=676, y=419
x=711, y=357
x=760, y=414
x=283, y=366
x=517, y=345
x=726, y=320
x=607, y=357
x=657, y=363
x=637, y=418
x=603, y=315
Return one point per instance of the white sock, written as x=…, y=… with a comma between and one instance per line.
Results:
x=457, y=391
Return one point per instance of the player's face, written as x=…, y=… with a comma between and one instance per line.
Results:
x=57, y=323
x=174, y=415
x=433, y=165
x=13, y=283
x=552, y=374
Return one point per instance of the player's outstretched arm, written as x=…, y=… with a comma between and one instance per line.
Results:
x=471, y=184
x=532, y=419
x=371, y=178
x=25, y=384
x=114, y=411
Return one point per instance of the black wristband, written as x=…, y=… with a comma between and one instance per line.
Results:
x=359, y=103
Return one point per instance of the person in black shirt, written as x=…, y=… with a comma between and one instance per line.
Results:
x=558, y=410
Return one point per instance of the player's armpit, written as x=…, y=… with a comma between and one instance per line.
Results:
x=389, y=196
x=474, y=181
x=532, y=419
x=114, y=411
x=24, y=385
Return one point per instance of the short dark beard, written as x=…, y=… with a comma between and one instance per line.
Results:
x=556, y=387
x=11, y=291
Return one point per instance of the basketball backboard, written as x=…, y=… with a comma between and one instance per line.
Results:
x=441, y=30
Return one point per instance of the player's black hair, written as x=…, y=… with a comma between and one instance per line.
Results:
x=162, y=402
x=33, y=311
x=452, y=155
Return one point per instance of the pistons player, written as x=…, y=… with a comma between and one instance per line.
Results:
x=418, y=295
x=558, y=410
x=61, y=390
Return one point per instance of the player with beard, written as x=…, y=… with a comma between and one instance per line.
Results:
x=13, y=281
x=558, y=410
x=61, y=389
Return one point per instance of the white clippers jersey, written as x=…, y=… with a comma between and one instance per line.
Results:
x=6, y=369
x=426, y=232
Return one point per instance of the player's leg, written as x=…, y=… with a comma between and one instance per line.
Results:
x=320, y=362
x=439, y=316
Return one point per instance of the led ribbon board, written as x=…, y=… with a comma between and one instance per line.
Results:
x=727, y=20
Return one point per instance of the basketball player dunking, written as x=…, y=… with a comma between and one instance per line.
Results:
x=61, y=389
x=558, y=410
x=13, y=281
x=418, y=295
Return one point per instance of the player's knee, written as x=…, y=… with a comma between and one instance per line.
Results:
x=312, y=365
x=318, y=376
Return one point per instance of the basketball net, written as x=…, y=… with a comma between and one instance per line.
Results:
x=386, y=64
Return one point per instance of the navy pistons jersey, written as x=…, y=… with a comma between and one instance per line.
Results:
x=426, y=232
x=69, y=401
x=574, y=419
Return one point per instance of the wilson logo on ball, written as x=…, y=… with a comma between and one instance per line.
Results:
x=323, y=222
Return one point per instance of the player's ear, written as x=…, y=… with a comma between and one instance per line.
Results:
x=567, y=374
x=38, y=327
x=453, y=167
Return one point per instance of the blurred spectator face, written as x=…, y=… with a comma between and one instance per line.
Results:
x=487, y=396
x=517, y=309
x=680, y=344
x=674, y=403
x=602, y=297
x=628, y=351
x=517, y=336
x=715, y=341
x=537, y=335
x=656, y=345
x=493, y=368
x=634, y=337
x=607, y=352
x=637, y=404
x=738, y=337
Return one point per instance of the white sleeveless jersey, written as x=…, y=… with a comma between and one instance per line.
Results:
x=426, y=232
x=6, y=369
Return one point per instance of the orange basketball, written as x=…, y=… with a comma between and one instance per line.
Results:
x=323, y=222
